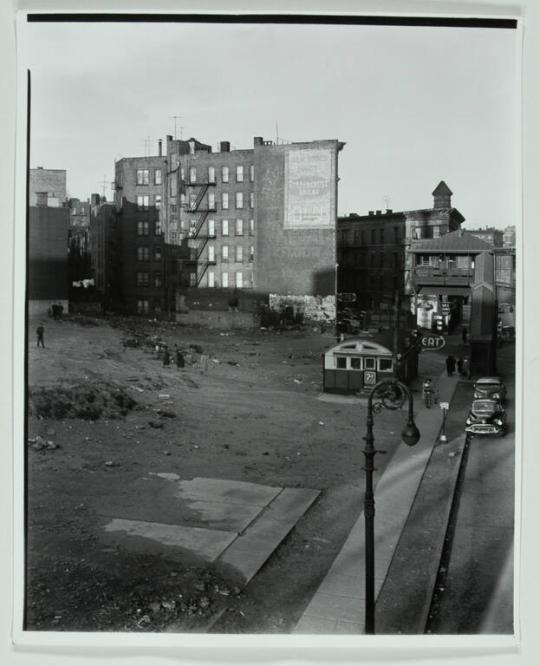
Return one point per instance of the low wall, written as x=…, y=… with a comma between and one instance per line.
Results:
x=40, y=308
x=218, y=319
x=311, y=308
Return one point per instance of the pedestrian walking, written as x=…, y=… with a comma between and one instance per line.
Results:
x=459, y=365
x=464, y=335
x=40, y=332
x=466, y=368
x=179, y=357
x=450, y=365
x=166, y=357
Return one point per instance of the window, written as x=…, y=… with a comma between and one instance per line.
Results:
x=142, y=176
x=211, y=253
x=211, y=228
x=251, y=172
x=211, y=174
x=224, y=279
x=251, y=227
x=224, y=200
x=192, y=174
x=396, y=234
x=143, y=279
x=182, y=173
x=192, y=201
x=381, y=259
x=239, y=280
x=157, y=227
x=251, y=252
x=225, y=227
x=143, y=254
x=157, y=252
x=356, y=364
x=396, y=260
x=363, y=236
x=193, y=279
x=142, y=202
x=211, y=279
x=373, y=241
x=239, y=174
x=211, y=201
x=157, y=201
x=239, y=254
x=157, y=177
x=142, y=307
x=224, y=174
x=341, y=362
x=385, y=364
x=369, y=363
x=239, y=199
x=252, y=200
x=224, y=253
x=381, y=236
x=157, y=279
x=239, y=229
x=143, y=228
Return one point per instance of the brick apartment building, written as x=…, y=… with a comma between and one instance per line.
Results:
x=48, y=187
x=199, y=224
x=374, y=257
x=490, y=235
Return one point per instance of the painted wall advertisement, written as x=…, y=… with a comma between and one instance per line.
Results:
x=309, y=189
x=425, y=309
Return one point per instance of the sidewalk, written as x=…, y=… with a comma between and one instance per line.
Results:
x=338, y=604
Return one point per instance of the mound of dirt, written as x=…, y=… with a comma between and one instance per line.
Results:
x=82, y=401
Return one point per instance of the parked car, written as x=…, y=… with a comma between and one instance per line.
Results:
x=486, y=417
x=490, y=387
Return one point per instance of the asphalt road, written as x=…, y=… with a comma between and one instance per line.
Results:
x=478, y=589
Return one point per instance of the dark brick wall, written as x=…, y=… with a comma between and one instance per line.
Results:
x=47, y=253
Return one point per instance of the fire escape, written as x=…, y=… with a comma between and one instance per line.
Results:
x=198, y=233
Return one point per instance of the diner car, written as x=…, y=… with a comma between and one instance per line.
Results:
x=486, y=417
x=490, y=387
x=356, y=365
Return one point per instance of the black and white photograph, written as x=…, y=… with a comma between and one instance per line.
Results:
x=271, y=307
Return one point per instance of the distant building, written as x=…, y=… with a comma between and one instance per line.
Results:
x=509, y=237
x=48, y=187
x=47, y=258
x=105, y=253
x=374, y=257
x=256, y=221
x=493, y=237
x=79, y=213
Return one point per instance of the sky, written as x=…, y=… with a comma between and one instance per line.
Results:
x=413, y=105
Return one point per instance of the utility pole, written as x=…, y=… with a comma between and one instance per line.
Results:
x=103, y=183
x=396, y=332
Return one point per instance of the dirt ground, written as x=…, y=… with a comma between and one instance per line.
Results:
x=104, y=412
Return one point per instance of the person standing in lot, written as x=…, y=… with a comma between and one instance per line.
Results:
x=40, y=332
x=450, y=365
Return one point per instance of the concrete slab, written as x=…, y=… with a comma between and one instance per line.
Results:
x=228, y=492
x=251, y=550
x=208, y=544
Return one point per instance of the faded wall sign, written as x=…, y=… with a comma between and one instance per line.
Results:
x=309, y=189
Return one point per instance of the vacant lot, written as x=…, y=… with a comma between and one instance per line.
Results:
x=104, y=413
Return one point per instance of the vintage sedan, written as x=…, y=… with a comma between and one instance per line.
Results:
x=490, y=387
x=486, y=417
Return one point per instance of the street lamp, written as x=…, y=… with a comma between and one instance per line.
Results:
x=388, y=394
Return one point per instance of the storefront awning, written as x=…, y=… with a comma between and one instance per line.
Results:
x=445, y=291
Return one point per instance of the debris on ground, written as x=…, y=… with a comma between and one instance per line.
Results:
x=39, y=443
x=87, y=402
x=165, y=413
x=155, y=424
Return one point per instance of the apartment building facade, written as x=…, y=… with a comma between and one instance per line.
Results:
x=254, y=221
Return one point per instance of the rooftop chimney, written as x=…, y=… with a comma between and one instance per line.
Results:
x=371, y=212
x=258, y=141
x=388, y=211
x=160, y=147
x=225, y=147
x=378, y=212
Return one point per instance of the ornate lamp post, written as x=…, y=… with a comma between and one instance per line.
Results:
x=388, y=394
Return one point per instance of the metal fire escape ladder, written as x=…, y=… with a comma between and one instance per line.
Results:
x=199, y=242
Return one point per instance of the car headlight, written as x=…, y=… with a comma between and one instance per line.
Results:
x=468, y=421
x=496, y=396
x=498, y=422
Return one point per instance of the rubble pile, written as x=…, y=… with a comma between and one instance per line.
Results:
x=82, y=401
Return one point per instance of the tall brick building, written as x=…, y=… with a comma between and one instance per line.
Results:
x=259, y=220
x=374, y=250
x=48, y=187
